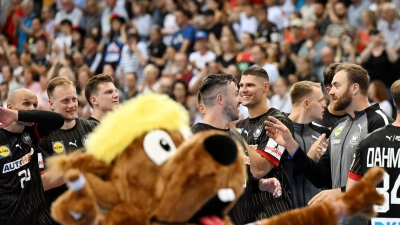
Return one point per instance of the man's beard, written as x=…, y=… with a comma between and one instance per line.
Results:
x=340, y=17
x=231, y=112
x=343, y=101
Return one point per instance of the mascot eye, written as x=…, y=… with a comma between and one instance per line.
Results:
x=158, y=146
x=164, y=144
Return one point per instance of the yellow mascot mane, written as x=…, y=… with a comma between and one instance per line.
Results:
x=131, y=120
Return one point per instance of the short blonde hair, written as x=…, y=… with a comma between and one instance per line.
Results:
x=58, y=81
x=301, y=89
x=150, y=67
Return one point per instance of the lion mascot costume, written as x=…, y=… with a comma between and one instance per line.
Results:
x=142, y=166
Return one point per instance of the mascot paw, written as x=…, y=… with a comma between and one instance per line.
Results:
x=77, y=205
x=361, y=198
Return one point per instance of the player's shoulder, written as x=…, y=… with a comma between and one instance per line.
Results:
x=90, y=123
x=375, y=113
x=320, y=128
x=376, y=136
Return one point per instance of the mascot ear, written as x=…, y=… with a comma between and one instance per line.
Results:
x=222, y=148
x=158, y=146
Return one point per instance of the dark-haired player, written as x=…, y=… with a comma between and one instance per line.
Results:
x=102, y=96
x=382, y=148
x=254, y=85
x=21, y=191
x=218, y=95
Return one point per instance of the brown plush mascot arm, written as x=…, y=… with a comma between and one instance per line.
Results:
x=360, y=199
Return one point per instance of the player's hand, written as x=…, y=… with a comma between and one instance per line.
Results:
x=318, y=148
x=7, y=117
x=272, y=185
x=325, y=195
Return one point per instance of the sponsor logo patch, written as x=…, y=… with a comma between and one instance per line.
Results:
x=58, y=147
x=5, y=151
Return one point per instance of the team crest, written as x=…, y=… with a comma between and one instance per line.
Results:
x=5, y=151
x=239, y=130
x=58, y=147
x=83, y=140
x=26, y=138
x=355, y=139
x=258, y=132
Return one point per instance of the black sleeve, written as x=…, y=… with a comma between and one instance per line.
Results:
x=45, y=121
x=376, y=121
x=318, y=173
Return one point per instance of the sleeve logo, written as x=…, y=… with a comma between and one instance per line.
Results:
x=274, y=149
x=5, y=151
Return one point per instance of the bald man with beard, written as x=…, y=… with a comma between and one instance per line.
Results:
x=20, y=182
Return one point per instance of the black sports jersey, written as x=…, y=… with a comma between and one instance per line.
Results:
x=21, y=191
x=382, y=148
x=328, y=120
x=263, y=204
x=65, y=141
x=241, y=213
x=93, y=119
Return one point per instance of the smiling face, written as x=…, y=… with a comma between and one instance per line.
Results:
x=253, y=90
x=341, y=91
x=64, y=100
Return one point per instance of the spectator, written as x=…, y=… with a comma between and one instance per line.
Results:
x=287, y=61
x=296, y=30
x=281, y=99
x=43, y=98
x=346, y=50
x=321, y=18
x=69, y=12
x=260, y=59
x=180, y=93
x=151, y=82
x=170, y=25
x=156, y=48
x=64, y=39
x=327, y=57
x=134, y=57
x=115, y=41
x=10, y=24
x=183, y=71
x=378, y=58
x=193, y=6
x=159, y=12
x=217, y=6
x=141, y=20
x=377, y=92
x=308, y=11
x=3, y=94
x=389, y=26
x=15, y=65
x=91, y=57
x=335, y=29
x=25, y=23
x=228, y=54
x=244, y=58
x=37, y=32
x=78, y=39
x=83, y=78
x=273, y=54
x=276, y=14
x=354, y=12
x=165, y=85
x=47, y=16
x=131, y=83
x=211, y=26
x=369, y=20
x=303, y=69
x=41, y=59
x=247, y=21
x=203, y=55
x=92, y=19
x=8, y=77
x=30, y=82
x=170, y=67
x=111, y=9
x=312, y=47
x=266, y=31
x=183, y=40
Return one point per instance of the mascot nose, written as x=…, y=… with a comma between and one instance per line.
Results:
x=222, y=148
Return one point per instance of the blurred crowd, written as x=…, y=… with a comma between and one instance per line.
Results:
x=170, y=46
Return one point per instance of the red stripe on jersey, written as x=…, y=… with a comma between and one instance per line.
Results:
x=35, y=128
x=270, y=158
x=354, y=176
